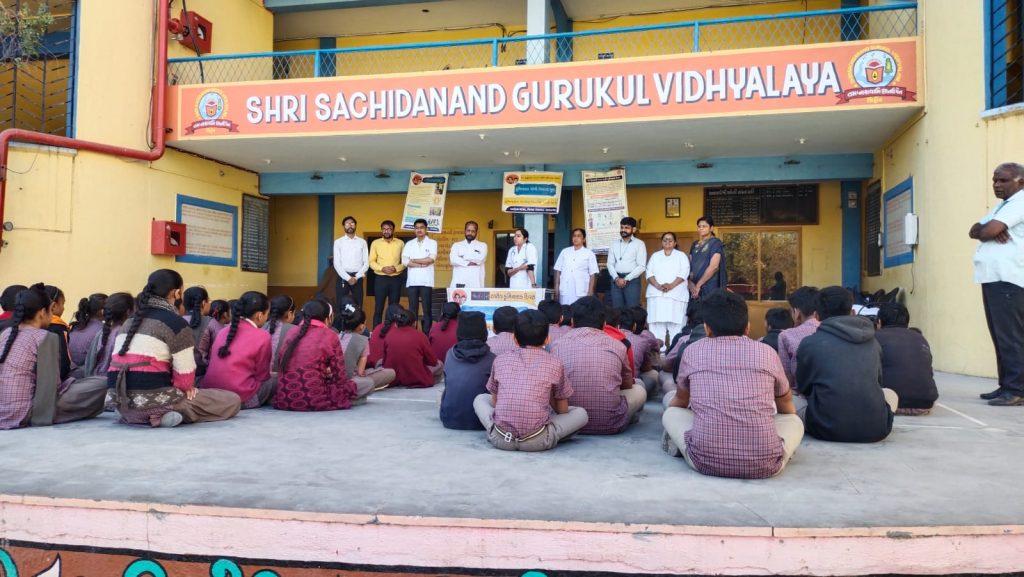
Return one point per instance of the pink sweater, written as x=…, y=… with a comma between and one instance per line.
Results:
x=244, y=370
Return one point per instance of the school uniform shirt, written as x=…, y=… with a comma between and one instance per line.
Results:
x=733, y=383
x=556, y=332
x=641, y=346
x=244, y=370
x=596, y=367
x=627, y=258
x=463, y=253
x=502, y=343
x=441, y=341
x=524, y=382
x=80, y=339
x=518, y=257
x=316, y=378
x=407, y=352
x=789, y=344
x=350, y=257
x=415, y=248
x=18, y=375
x=576, y=266
x=375, y=348
x=386, y=253
x=998, y=262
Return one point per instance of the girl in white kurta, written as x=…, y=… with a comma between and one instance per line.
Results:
x=575, y=270
x=667, y=292
x=521, y=260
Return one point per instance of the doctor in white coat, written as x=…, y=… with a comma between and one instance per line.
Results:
x=575, y=270
x=468, y=258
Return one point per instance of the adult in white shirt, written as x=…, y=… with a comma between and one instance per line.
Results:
x=627, y=258
x=468, y=258
x=667, y=291
x=999, y=268
x=575, y=270
x=521, y=261
x=418, y=256
x=351, y=261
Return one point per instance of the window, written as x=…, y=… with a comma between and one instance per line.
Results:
x=1005, y=23
x=762, y=264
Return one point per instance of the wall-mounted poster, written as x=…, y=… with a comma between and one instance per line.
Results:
x=604, y=205
x=425, y=199
x=212, y=231
x=899, y=202
x=531, y=192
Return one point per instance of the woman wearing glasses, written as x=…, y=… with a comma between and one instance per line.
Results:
x=667, y=292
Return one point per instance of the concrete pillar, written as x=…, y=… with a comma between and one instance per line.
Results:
x=538, y=18
x=537, y=226
x=563, y=221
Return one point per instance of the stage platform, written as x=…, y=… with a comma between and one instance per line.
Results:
x=383, y=487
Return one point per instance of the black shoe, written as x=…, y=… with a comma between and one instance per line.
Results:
x=994, y=394
x=1007, y=399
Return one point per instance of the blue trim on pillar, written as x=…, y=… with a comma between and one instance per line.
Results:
x=537, y=224
x=563, y=220
x=71, y=115
x=563, y=46
x=326, y=64
x=324, y=232
x=849, y=24
x=807, y=168
x=851, y=233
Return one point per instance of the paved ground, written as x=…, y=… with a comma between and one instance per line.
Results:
x=392, y=456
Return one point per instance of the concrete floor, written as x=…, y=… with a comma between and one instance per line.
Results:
x=391, y=456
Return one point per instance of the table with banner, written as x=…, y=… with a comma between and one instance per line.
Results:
x=487, y=300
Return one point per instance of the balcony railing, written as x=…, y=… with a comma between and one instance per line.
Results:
x=813, y=27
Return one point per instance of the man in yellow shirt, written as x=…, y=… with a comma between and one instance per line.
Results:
x=386, y=262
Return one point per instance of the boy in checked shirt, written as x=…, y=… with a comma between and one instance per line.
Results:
x=528, y=405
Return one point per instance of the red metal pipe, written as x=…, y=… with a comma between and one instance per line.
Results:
x=158, y=122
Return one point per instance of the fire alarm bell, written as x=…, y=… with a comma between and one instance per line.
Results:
x=167, y=238
x=194, y=32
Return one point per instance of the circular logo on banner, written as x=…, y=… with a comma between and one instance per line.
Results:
x=875, y=67
x=417, y=179
x=512, y=178
x=211, y=105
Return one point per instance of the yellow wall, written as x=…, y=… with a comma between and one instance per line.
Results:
x=950, y=152
x=82, y=221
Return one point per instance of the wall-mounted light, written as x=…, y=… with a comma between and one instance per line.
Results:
x=316, y=176
x=705, y=165
x=456, y=173
x=791, y=162
x=382, y=174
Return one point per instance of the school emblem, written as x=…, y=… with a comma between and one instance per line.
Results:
x=211, y=113
x=875, y=71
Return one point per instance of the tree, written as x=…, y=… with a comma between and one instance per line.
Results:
x=22, y=30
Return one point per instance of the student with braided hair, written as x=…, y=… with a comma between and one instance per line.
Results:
x=116, y=310
x=220, y=312
x=7, y=304
x=407, y=352
x=313, y=374
x=280, y=322
x=204, y=330
x=59, y=327
x=88, y=322
x=153, y=371
x=376, y=347
x=443, y=334
x=355, y=345
x=242, y=352
x=31, y=390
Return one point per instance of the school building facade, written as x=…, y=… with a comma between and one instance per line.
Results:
x=849, y=114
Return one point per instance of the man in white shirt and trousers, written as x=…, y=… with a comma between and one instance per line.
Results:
x=627, y=259
x=468, y=258
x=351, y=260
x=999, y=269
x=419, y=256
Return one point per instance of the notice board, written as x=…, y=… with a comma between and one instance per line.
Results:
x=762, y=204
x=255, y=233
x=212, y=231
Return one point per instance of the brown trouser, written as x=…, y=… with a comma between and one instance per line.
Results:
x=209, y=405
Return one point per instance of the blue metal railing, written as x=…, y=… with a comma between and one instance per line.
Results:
x=811, y=27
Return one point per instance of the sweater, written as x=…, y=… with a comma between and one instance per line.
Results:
x=443, y=340
x=246, y=367
x=839, y=370
x=907, y=367
x=466, y=370
x=408, y=353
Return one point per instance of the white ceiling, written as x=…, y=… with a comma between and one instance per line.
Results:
x=825, y=132
x=461, y=14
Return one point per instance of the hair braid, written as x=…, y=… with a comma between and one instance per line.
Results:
x=287, y=356
x=19, y=316
x=143, y=308
x=236, y=317
x=27, y=304
x=279, y=306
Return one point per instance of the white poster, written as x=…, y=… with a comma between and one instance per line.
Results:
x=531, y=192
x=210, y=231
x=604, y=205
x=487, y=300
x=425, y=199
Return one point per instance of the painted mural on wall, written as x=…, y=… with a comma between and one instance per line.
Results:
x=42, y=561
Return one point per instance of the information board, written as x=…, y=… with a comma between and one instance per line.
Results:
x=762, y=204
x=255, y=233
x=212, y=231
x=898, y=203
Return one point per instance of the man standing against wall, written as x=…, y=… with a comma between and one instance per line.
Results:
x=627, y=258
x=350, y=262
x=418, y=256
x=468, y=258
x=999, y=268
x=386, y=262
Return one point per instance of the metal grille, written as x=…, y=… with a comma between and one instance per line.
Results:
x=873, y=229
x=36, y=92
x=1006, y=68
x=887, y=21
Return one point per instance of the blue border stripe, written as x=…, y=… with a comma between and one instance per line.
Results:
x=851, y=234
x=905, y=187
x=230, y=209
